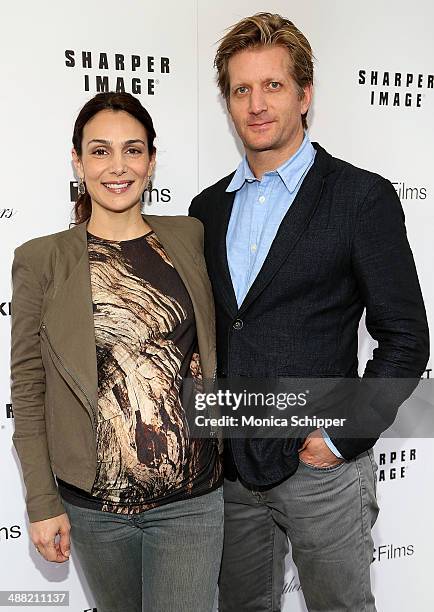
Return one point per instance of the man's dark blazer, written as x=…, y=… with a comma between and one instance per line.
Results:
x=341, y=248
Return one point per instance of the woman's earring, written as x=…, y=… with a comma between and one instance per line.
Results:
x=81, y=186
x=149, y=185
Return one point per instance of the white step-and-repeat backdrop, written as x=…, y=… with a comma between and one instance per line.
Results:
x=374, y=106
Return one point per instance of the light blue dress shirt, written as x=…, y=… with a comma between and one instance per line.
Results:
x=258, y=210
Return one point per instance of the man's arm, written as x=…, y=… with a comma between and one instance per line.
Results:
x=395, y=316
x=387, y=278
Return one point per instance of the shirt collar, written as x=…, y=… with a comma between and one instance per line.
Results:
x=242, y=174
x=291, y=171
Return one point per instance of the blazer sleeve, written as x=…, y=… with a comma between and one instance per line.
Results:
x=386, y=275
x=384, y=267
x=28, y=393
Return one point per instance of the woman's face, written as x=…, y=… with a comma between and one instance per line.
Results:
x=115, y=163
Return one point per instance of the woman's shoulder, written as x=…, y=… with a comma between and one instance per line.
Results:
x=187, y=227
x=42, y=246
x=187, y=230
x=176, y=221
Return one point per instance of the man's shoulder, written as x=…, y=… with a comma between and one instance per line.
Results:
x=352, y=189
x=346, y=173
x=200, y=205
x=217, y=188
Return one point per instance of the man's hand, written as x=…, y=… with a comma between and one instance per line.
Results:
x=51, y=538
x=316, y=452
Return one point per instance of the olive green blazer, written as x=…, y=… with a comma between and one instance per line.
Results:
x=53, y=354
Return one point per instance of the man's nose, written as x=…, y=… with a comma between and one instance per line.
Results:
x=258, y=101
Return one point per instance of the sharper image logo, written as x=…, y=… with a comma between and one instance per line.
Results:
x=396, y=89
x=133, y=73
x=394, y=465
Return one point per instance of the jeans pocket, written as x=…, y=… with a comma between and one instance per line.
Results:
x=315, y=468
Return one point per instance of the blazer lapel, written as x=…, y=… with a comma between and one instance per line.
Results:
x=223, y=283
x=68, y=319
x=197, y=284
x=292, y=227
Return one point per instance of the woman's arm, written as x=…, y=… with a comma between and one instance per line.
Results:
x=28, y=395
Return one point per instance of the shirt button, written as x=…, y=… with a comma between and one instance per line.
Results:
x=238, y=324
x=253, y=247
x=261, y=199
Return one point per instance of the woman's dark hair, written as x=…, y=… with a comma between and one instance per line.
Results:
x=107, y=101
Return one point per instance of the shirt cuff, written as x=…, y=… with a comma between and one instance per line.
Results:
x=329, y=443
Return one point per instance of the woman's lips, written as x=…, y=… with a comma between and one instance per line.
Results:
x=118, y=187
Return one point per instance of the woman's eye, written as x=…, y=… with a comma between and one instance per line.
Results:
x=100, y=152
x=133, y=151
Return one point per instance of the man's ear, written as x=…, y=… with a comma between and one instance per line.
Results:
x=306, y=100
x=228, y=106
x=77, y=164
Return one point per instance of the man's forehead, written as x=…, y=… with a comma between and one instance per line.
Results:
x=260, y=60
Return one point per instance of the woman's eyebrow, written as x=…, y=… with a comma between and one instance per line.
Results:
x=109, y=142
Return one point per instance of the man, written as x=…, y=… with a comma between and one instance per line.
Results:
x=297, y=245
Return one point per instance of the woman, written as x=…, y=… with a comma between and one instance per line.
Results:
x=107, y=318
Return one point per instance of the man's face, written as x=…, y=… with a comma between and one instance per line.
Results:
x=264, y=101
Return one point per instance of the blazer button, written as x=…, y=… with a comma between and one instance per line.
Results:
x=238, y=324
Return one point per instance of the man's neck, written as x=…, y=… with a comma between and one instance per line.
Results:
x=261, y=162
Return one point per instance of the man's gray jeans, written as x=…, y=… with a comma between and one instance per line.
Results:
x=327, y=514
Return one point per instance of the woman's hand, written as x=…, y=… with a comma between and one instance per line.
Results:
x=51, y=538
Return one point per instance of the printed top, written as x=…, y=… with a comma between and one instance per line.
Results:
x=146, y=345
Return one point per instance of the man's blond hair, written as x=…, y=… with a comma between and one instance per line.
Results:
x=266, y=29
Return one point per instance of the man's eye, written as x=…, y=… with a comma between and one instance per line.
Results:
x=274, y=85
x=241, y=90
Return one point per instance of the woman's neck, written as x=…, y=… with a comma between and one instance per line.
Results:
x=112, y=225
